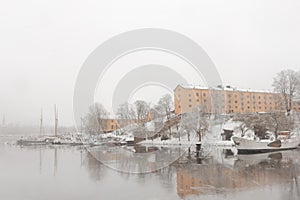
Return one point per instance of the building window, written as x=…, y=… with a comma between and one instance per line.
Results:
x=235, y=102
x=197, y=94
x=204, y=94
x=190, y=100
x=190, y=105
x=112, y=126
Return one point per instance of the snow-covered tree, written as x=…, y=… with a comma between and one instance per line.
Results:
x=195, y=122
x=261, y=123
x=142, y=110
x=126, y=114
x=96, y=119
x=165, y=105
x=287, y=83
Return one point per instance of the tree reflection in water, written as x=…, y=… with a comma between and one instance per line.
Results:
x=218, y=173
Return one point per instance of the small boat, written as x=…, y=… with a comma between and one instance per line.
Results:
x=30, y=142
x=284, y=141
x=35, y=141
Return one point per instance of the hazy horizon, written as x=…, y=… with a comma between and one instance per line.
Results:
x=44, y=44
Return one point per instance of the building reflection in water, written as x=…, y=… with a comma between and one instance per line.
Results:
x=221, y=173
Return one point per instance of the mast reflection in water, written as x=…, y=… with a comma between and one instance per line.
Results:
x=64, y=172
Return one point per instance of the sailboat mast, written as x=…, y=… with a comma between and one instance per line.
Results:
x=56, y=120
x=41, y=123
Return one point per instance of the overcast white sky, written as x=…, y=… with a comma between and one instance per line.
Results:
x=44, y=43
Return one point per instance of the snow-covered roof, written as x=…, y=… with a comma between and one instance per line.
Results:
x=227, y=88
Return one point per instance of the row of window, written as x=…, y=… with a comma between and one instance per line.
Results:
x=229, y=95
x=248, y=107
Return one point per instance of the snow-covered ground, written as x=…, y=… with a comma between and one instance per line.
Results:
x=184, y=142
x=213, y=137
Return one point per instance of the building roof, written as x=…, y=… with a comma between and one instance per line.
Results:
x=226, y=88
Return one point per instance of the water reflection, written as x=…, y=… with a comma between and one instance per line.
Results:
x=60, y=172
x=220, y=172
x=228, y=174
x=137, y=159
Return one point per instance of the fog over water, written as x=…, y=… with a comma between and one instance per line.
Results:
x=72, y=172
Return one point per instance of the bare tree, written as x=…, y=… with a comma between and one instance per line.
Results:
x=96, y=119
x=142, y=110
x=287, y=83
x=166, y=105
x=195, y=121
x=126, y=114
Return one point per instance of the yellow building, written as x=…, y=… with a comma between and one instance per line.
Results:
x=225, y=100
x=111, y=124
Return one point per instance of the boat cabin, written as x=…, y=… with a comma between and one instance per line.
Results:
x=283, y=135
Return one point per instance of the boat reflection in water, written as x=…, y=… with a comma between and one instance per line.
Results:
x=214, y=174
x=220, y=172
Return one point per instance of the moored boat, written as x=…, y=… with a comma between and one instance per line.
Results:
x=248, y=146
x=35, y=140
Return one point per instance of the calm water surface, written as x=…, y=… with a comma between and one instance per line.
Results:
x=61, y=172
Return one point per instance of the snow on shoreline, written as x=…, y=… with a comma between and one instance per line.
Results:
x=184, y=142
